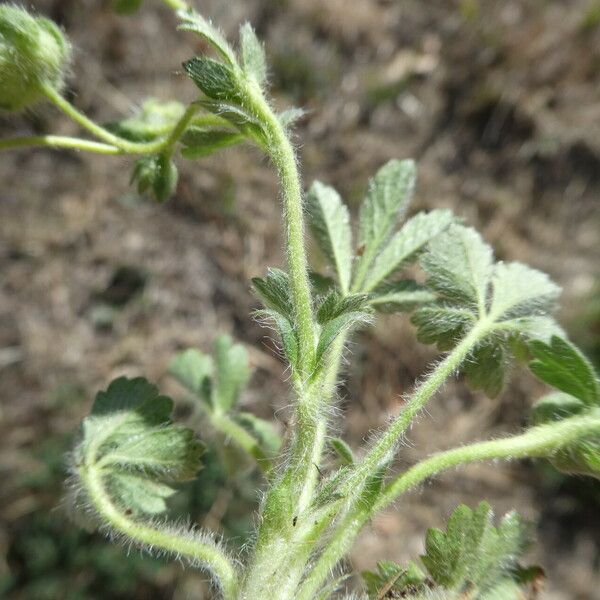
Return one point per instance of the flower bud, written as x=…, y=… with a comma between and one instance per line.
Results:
x=157, y=174
x=33, y=53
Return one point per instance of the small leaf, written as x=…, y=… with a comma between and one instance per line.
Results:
x=232, y=372
x=130, y=439
x=253, y=54
x=404, y=295
x=485, y=367
x=335, y=305
x=442, y=325
x=459, y=265
x=237, y=116
x=518, y=290
x=406, y=244
x=342, y=450
x=556, y=407
x=194, y=370
x=333, y=328
x=329, y=222
x=391, y=578
x=288, y=336
x=561, y=365
x=192, y=21
x=274, y=291
x=200, y=142
x=215, y=79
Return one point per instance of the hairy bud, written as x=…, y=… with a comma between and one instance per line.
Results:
x=33, y=52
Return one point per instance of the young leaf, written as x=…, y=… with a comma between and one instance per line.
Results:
x=194, y=370
x=404, y=295
x=287, y=333
x=289, y=117
x=513, y=300
x=388, y=196
x=274, y=291
x=405, y=245
x=332, y=329
x=329, y=222
x=237, y=116
x=561, y=365
x=216, y=80
x=130, y=439
x=342, y=450
x=392, y=578
x=200, y=142
x=192, y=21
x=253, y=54
x=154, y=119
x=232, y=372
x=335, y=305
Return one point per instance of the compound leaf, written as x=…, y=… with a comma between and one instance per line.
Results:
x=130, y=439
x=254, y=61
x=329, y=221
x=561, y=365
x=405, y=245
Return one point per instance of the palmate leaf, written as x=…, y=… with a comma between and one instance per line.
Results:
x=471, y=557
x=329, y=221
x=515, y=300
x=130, y=439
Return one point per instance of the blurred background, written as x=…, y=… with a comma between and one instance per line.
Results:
x=499, y=102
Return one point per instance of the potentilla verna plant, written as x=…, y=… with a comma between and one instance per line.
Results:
x=480, y=313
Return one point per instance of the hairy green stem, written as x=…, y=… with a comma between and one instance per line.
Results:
x=206, y=554
x=539, y=441
x=387, y=442
x=59, y=141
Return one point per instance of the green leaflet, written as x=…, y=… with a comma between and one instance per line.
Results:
x=154, y=119
x=289, y=117
x=263, y=431
x=216, y=80
x=201, y=142
x=335, y=305
x=404, y=295
x=459, y=265
x=274, y=291
x=513, y=300
x=405, y=245
x=329, y=221
x=561, y=365
x=332, y=329
x=194, y=370
x=130, y=439
x=253, y=55
x=192, y=21
x=342, y=450
x=388, y=196
x=391, y=577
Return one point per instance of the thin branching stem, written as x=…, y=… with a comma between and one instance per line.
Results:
x=59, y=141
